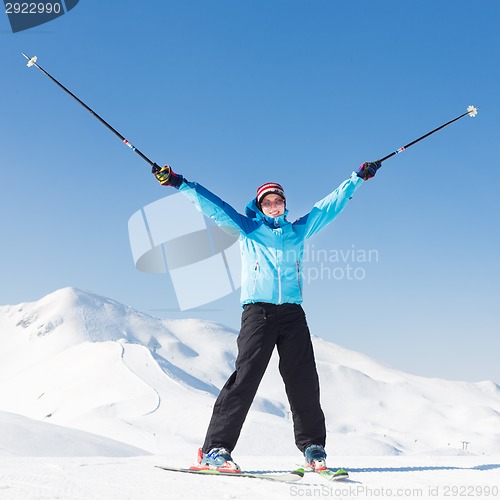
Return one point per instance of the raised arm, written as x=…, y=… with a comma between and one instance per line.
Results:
x=209, y=204
x=325, y=210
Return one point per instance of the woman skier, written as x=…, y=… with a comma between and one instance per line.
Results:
x=271, y=293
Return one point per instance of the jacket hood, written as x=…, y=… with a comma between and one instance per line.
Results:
x=253, y=212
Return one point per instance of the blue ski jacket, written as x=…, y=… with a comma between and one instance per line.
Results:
x=271, y=248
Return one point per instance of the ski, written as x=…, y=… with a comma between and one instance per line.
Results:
x=333, y=475
x=285, y=477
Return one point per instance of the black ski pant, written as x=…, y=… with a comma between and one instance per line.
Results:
x=264, y=326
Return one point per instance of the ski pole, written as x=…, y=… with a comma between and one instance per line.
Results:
x=32, y=62
x=471, y=111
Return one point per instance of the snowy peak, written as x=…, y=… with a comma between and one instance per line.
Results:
x=54, y=312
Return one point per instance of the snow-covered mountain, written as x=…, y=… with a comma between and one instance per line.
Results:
x=86, y=362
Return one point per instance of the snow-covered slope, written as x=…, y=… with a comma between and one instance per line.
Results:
x=22, y=436
x=83, y=361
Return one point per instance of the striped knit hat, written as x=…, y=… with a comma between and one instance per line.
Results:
x=269, y=188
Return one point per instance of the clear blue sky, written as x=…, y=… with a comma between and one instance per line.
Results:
x=236, y=93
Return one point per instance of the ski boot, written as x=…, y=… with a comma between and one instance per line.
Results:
x=217, y=458
x=315, y=456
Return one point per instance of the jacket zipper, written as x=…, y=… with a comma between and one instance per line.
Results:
x=279, y=284
x=279, y=235
x=299, y=277
x=256, y=269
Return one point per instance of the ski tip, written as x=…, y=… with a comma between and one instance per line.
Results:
x=340, y=474
x=299, y=472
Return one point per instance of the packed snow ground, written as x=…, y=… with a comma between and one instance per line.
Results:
x=97, y=478
x=93, y=394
